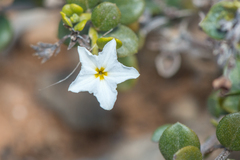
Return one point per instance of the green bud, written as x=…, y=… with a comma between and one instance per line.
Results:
x=85, y=4
x=94, y=36
x=101, y=42
x=85, y=16
x=67, y=10
x=75, y=18
x=76, y=8
x=80, y=25
x=66, y=20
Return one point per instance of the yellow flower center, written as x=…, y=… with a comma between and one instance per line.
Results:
x=101, y=73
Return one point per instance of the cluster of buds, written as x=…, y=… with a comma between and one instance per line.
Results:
x=73, y=19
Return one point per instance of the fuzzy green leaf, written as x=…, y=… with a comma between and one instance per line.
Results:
x=106, y=16
x=222, y=10
x=6, y=32
x=131, y=9
x=214, y=105
x=158, y=132
x=180, y=4
x=176, y=137
x=231, y=104
x=234, y=77
x=129, y=40
x=153, y=7
x=188, y=153
x=228, y=131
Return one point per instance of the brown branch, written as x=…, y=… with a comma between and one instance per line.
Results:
x=209, y=145
x=223, y=155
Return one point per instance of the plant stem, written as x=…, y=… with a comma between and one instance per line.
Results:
x=223, y=155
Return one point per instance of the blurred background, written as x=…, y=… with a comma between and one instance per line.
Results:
x=54, y=124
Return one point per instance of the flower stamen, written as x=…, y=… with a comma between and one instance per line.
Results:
x=101, y=73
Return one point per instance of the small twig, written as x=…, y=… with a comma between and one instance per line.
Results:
x=45, y=50
x=209, y=145
x=172, y=12
x=185, y=35
x=154, y=24
x=213, y=148
x=62, y=79
x=223, y=155
x=107, y=32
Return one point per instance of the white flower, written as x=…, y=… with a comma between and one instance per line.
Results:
x=101, y=74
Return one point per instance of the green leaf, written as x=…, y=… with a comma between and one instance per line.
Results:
x=231, y=104
x=188, y=153
x=180, y=4
x=214, y=105
x=6, y=32
x=158, y=132
x=228, y=131
x=222, y=10
x=106, y=16
x=176, y=137
x=131, y=9
x=85, y=4
x=153, y=7
x=234, y=77
x=128, y=38
x=130, y=61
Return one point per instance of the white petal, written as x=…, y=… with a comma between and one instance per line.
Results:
x=120, y=73
x=87, y=59
x=108, y=56
x=106, y=94
x=84, y=83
